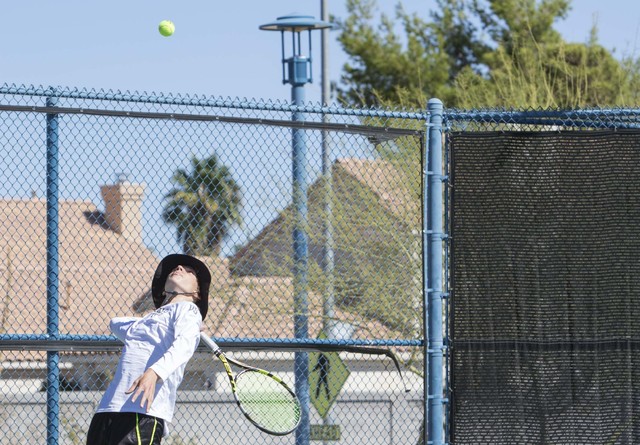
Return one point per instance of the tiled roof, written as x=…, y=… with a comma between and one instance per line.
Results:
x=103, y=275
x=101, y=272
x=261, y=307
x=255, y=307
x=376, y=218
x=354, y=180
x=390, y=184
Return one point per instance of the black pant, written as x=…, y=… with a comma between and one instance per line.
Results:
x=125, y=429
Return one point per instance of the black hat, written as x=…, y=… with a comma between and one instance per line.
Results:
x=167, y=265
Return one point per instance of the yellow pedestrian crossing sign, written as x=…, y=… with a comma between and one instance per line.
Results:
x=327, y=375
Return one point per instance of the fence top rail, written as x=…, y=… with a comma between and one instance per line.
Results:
x=30, y=339
x=77, y=342
x=593, y=117
x=375, y=134
x=206, y=101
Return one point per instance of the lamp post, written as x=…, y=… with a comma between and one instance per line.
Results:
x=297, y=71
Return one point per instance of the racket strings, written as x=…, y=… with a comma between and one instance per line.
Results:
x=267, y=402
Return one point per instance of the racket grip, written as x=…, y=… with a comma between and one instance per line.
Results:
x=210, y=343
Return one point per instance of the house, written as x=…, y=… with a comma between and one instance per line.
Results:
x=376, y=224
x=252, y=294
x=105, y=270
x=363, y=190
x=103, y=264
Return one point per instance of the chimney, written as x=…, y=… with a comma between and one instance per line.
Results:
x=123, y=213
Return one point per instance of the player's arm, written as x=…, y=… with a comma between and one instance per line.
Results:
x=145, y=388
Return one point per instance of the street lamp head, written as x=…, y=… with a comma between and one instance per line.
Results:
x=295, y=23
x=296, y=68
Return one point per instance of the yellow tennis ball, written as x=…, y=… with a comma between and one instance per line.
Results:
x=166, y=28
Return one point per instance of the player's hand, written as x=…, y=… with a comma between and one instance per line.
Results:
x=144, y=386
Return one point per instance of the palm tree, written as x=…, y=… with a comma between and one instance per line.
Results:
x=203, y=206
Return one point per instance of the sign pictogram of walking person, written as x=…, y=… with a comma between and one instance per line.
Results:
x=323, y=366
x=327, y=376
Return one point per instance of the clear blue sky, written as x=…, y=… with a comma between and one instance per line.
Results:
x=217, y=49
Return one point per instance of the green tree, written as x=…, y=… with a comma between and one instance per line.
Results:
x=552, y=76
x=512, y=22
x=204, y=204
x=381, y=67
x=532, y=66
x=479, y=53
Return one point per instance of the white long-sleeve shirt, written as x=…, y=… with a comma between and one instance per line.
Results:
x=164, y=341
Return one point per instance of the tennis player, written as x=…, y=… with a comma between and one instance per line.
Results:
x=140, y=400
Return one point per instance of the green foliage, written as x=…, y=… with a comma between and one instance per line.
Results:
x=376, y=273
x=457, y=35
x=477, y=54
x=512, y=22
x=381, y=67
x=554, y=76
x=203, y=205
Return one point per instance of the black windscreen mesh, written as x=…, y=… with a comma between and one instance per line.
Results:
x=545, y=270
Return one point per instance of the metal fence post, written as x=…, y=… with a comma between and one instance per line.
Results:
x=53, y=357
x=328, y=310
x=300, y=264
x=434, y=236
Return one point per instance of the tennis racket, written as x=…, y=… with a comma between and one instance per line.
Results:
x=262, y=397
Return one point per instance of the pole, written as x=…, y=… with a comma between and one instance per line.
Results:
x=324, y=16
x=434, y=235
x=300, y=262
x=328, y=255
x=53, y=357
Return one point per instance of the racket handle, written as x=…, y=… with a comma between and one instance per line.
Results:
x=210, y=343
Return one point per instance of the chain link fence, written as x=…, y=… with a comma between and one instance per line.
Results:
x=98, y=186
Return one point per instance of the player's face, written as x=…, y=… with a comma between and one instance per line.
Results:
x=181, y=279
